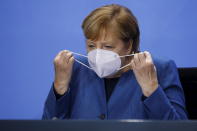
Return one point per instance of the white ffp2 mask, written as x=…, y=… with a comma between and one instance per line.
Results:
x=103, y=62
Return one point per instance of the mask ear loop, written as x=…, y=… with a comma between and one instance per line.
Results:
x=127, y=55
x=80, y=61
x=127, y=64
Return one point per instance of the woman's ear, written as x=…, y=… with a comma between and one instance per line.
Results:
x=129, y=47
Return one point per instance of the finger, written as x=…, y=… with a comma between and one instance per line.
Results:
x=71, y=60
x=65, y=56
x=61, y=55
x=136, y=60
x=58, y=56
x=155, y=69
x=149, y=60
x=133, y=61
x=141, y=57
x=132, y=64
x=147, y=55
x=69, y=55
x=63, y=52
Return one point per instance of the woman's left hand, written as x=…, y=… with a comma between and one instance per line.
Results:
x=145, y=72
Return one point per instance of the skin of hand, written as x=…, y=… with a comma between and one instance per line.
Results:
x=145, y=72
x=63, y=64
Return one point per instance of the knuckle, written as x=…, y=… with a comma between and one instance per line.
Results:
x=141, y=53
x=55, y=60
x=149, y=64
x=65, y=51
x=69, y=54
x=61, y=52
x=146, y=52
x=72, y=58
x=135, y=57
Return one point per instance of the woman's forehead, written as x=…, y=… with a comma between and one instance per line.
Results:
x=101, y=41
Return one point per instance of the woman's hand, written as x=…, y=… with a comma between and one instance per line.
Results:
x=145, y=72
x=63, y=64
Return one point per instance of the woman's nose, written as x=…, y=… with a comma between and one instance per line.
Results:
x=99, y=46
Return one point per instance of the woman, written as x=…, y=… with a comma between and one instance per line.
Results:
x=115, y=80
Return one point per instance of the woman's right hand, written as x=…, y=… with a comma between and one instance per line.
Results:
x=63, y=64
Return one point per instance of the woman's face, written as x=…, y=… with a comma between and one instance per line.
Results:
x=112, y=44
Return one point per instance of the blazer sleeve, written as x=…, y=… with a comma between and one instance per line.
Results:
x=167, y=102
x=56, y=108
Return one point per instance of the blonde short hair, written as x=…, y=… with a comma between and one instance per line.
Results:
x=115, y=18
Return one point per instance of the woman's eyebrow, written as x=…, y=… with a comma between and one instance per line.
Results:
x=90, y=42
x=102, y=42
x=106, y=42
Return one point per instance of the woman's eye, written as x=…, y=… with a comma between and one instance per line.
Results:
x=91, y=46
x=109, y=47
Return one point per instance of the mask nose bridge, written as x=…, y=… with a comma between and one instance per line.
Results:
x=97, y=55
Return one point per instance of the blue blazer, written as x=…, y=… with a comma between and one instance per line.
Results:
x=86, y=98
